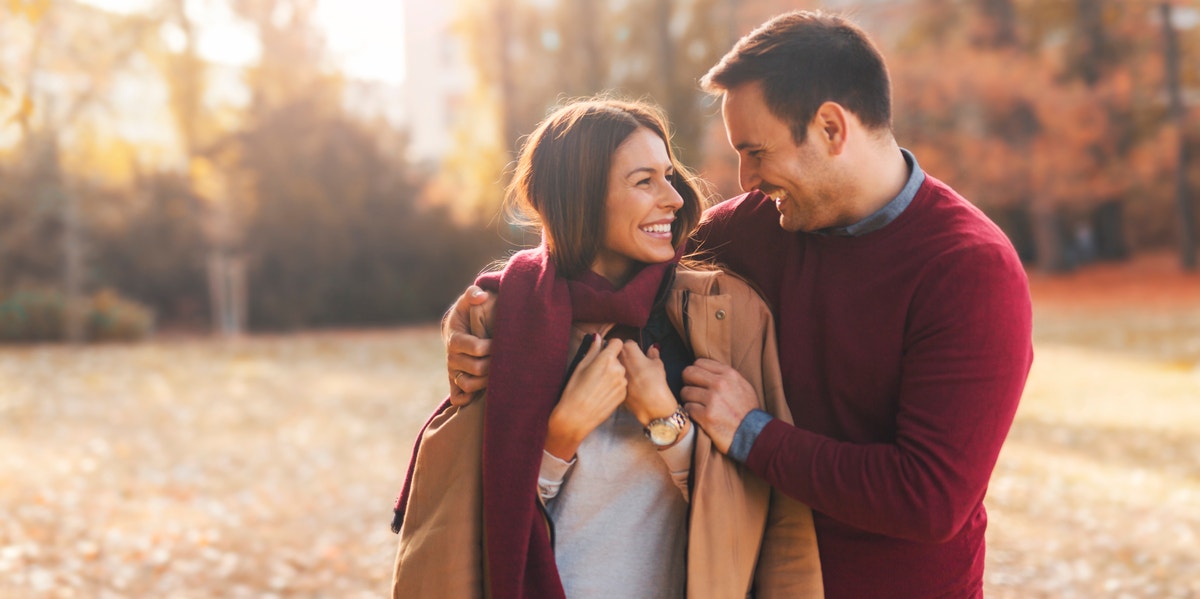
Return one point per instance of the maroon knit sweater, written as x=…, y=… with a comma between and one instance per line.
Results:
x=904, y=352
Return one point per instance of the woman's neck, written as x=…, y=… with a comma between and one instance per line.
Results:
x=618, y=277
x=617, y=270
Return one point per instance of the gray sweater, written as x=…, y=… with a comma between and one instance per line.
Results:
x=620, y=513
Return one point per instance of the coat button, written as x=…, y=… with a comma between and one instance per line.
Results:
x=720, y=315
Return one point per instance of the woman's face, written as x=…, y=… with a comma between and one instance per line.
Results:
x=639, y=208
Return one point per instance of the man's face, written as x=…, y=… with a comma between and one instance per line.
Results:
x=799, y=177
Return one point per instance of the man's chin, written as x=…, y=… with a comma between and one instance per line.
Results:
x=789, y=225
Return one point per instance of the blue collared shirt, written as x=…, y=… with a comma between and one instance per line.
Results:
x=748, y=431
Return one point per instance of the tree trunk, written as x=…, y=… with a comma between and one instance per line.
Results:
x=588, y=25
x=999, y=24
x=50, y=181
x=1093, y=52
x=1108, y=225
x=666, y=54
x=1183, y=195
x=505, y=76
x=73, y=271
x=227, y=293
x=1052, y=252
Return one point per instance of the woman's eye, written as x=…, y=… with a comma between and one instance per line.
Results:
x=645, y=181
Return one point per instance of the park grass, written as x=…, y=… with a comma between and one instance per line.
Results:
x=266, y=466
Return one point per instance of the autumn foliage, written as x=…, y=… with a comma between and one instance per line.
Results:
x=286, y=209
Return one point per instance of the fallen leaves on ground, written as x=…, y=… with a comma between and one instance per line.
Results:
x=262, y=467
x=266, y=467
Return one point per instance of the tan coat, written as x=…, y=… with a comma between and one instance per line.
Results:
x=743, y=536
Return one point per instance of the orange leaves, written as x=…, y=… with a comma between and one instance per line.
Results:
x=23, y=111
x=30, y=9
x=1005, y=127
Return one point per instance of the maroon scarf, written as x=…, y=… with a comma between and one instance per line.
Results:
x=531, y=332
x=534, y=312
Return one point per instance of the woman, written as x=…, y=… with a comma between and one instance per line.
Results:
x=582, y=489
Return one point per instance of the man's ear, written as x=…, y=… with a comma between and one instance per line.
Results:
x=832, y=121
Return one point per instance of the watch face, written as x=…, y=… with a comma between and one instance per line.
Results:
x=663, y=432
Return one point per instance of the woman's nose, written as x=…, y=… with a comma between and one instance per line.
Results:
x=672, y=199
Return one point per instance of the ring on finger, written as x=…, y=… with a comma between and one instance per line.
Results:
x=456, y=377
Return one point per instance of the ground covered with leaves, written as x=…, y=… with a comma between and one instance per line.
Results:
x=266, y=467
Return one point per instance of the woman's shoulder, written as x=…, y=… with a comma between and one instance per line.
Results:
x=709, y=279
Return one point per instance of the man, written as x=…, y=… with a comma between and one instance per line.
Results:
x=902, y=313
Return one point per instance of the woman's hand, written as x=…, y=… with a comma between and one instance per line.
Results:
x=647, y=396
x=594, y=390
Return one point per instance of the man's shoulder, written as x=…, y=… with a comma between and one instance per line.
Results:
x=752, y=205
x=956, y=220
x=738, y=224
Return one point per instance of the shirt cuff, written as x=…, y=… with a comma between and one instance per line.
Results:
x=747, y=434
x=678, y=459
x=679, y=456
x=552, y=474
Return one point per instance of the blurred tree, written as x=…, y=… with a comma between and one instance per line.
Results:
x=996, y=26
x=155, y=250
x=29, y=11
x=75, y=55
x=184, y=72
x=1187, y=218
x=213, y=173
x=338, y=237
x=26, y=221
x=685, y=38
x=529, y=56
x=335, y=235
x=317, y=205
x=1038, y=119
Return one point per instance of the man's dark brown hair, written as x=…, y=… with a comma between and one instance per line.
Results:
x=803, y=59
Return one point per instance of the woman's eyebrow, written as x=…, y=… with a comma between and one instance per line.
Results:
x=647, y=169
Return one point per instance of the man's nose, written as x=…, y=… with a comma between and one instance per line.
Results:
x=747, y=176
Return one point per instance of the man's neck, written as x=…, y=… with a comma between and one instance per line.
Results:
x=884, y=174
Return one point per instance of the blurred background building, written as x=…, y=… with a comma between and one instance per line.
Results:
x=437, y=77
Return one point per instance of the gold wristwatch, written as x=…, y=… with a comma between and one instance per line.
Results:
x=664, y=432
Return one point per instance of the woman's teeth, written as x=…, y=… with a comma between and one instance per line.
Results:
x=663, y=228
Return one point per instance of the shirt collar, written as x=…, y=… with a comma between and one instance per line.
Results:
x=890, y=211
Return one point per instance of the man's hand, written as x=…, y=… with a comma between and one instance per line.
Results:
x=468, y=351
x=718, y=398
